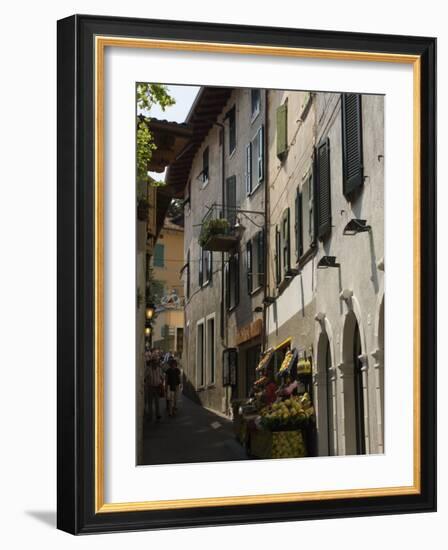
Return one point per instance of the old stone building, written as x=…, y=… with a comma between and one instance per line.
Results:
x=284, y=248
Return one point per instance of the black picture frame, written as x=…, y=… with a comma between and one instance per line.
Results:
x=76, y=254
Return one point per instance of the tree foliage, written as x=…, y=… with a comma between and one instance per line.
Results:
x=147, y=96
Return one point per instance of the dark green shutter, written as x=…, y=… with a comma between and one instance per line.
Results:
x=298, y=226
x=236, y=266
x=278, y=270
x=159, y=255
x=353, y=176
x=282, y=130
x=210, y=275
x=323, y=190
x=286, y=241
x=201, y=262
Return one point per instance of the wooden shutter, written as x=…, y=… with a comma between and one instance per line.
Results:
x=201, y=266
x=227, y=282
x=282, y=130
x=353, y=176
x=231, y=200
x=286, y=241
x=249, y=266
x=298, y=226
x=159, y=255
x=260, y=163
x=210, y=266
x=249, y=168
x=323, y=191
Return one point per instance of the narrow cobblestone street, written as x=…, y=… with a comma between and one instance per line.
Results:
x=194, y=435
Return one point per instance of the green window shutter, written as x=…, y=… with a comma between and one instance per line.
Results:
x=353, y=173
x=323, y=191
x=286, y=242
x=298, y=226
x=159, y=255
x=260, y=163
x=282, y=130
x=201, y=267
x=210, y=266
x=278, y=270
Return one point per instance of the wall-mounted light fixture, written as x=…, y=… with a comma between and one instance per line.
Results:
x=327, y=261
x=355, y=226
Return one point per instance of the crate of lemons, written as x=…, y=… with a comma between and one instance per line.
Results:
x=287, y=420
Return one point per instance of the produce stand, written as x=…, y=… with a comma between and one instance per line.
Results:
x=276, y=421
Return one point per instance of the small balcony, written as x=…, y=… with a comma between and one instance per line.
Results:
x=219, y=229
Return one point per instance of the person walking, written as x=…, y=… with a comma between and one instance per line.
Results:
x=172, y=383
x=153, y=383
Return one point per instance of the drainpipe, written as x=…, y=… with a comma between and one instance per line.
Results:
x=266, y=221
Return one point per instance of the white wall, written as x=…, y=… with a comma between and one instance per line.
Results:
x=28, y=320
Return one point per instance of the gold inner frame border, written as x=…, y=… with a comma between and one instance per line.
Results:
x=101, y=42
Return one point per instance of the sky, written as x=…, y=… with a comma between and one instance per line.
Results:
x=184, y=96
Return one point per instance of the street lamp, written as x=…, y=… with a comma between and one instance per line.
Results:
x=148, y=331
x=149, y=311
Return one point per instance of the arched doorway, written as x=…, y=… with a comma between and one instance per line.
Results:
x=354, y=388
x=327, y=409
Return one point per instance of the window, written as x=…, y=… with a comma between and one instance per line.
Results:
x=255, y=262
x=260, y=154
x=323, y=189
x=159, y=255
x=210, y=336
x=249, y=168
x=298, y=225
x=282, y=130
x=278, y=264
x=205, y=267
x=255, y=102
x=233, y=281
x=205, y=165
x=249, y=267
x=200, y=381
x=353, y=176
x=285, y=241
x=232, y=130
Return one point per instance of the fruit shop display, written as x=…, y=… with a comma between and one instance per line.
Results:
x=292, y=413
x=264, y=361
x=288, y=445
x=266, y=444
x=286, y=361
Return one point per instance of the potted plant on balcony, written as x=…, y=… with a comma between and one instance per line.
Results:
x=216, y=235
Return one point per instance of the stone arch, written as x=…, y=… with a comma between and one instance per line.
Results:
x=353, y=374
x=325, y=390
